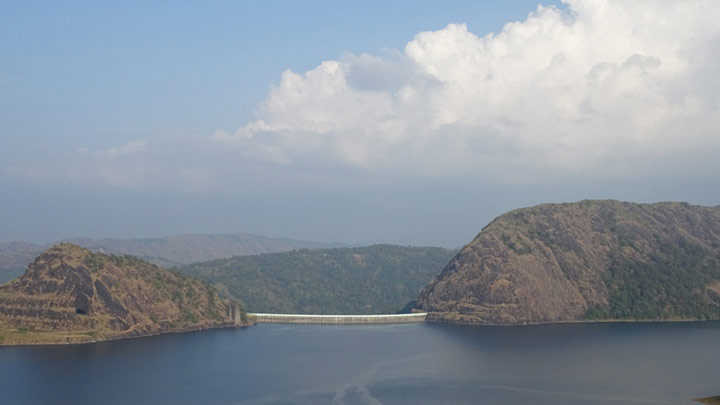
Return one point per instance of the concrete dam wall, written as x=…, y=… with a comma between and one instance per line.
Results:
x=338, y=319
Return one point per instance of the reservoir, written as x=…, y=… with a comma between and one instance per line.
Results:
x=623, y=363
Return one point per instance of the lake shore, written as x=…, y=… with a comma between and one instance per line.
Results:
x=708, y=400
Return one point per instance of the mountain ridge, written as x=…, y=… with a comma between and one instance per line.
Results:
x=169, y=251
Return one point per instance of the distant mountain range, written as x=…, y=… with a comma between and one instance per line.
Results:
x=170, y=251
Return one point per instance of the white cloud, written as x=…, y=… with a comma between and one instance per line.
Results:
x=609, y=87
x=128, y=148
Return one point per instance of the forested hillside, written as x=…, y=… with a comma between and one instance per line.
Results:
x=366, y=280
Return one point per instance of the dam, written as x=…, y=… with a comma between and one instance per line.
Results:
x=338, y=319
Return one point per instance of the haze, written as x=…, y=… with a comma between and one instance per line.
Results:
x=402, y=122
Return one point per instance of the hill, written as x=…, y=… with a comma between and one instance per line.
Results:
x=592, y=260
x=170, y=251
x=72, y=295
x=367, y=280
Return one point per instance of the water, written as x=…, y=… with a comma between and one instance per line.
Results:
x=394, y=364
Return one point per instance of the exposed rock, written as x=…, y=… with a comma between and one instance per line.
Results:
x=69, y=294
x=592, y=259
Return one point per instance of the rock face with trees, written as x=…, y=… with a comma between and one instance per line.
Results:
x=72, y=295
x=592, y=260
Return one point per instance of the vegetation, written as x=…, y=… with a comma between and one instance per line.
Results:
x=72, y=295
x=368, y=280
x=671, y=284
x=166, y=252
x=591, y=260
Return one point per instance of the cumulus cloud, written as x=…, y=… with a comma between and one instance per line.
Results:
x=609, y=87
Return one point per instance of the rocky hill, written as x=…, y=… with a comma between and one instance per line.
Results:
x=367, y=280
x=590, y=260
x=71, y=295
x=170, y=251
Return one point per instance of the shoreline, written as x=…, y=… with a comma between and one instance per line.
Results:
x=708, y=400
x=253, y=320
x=430, y=318
x=146, y=335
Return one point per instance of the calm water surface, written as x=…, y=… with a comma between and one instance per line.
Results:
x=371, y=364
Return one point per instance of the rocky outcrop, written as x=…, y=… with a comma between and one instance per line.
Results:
x=69, y=294
x=586, y=260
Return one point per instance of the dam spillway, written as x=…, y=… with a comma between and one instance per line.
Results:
x=339, y=319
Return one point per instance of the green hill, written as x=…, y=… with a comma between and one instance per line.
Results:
x=366, y=280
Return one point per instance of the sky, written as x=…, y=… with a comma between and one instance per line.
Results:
x=409, y=122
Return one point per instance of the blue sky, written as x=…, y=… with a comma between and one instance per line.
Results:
x=139, y=119
x=95, y=71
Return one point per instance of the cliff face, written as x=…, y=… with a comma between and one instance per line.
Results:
x=586, y=260
x=70, y=295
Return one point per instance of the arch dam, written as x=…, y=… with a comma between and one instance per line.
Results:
x=339, y=319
